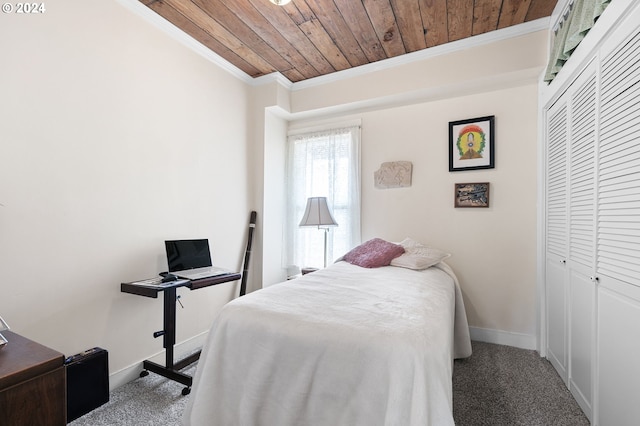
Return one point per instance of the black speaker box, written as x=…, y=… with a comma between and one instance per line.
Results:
x=87, y=382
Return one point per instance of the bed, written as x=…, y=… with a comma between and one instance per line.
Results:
x=344, y=345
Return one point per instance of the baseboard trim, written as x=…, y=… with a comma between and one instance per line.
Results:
x=581, y=400
x=518, y=340
x=128, y=374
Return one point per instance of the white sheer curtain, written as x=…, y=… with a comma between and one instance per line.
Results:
x=322, y=164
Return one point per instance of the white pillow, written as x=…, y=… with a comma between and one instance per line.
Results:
x=418, y=256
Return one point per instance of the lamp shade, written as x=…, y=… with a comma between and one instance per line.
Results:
x=317, y=213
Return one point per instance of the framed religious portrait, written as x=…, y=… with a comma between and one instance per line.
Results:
x=471, y=144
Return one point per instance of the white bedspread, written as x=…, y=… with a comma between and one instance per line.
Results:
x=341, y=346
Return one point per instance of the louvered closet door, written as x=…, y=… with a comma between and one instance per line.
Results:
x=557, y=134
x=582, y=170
x=619, y=165
x=618, y=253
x=582, y=291
x=556, y=236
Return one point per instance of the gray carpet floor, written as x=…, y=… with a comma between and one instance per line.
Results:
x=496, y=386
x=505, y=386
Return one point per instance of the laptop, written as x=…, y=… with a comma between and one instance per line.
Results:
x=191, y=259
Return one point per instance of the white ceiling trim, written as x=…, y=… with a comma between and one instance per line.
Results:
x=167, y=27
x=481, y=85
x=493, y=36
x=421, y=55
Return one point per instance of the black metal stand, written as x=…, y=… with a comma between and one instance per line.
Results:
x=171, y=369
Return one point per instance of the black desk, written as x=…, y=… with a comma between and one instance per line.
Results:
x=171, y=369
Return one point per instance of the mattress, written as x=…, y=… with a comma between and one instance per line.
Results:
x=344, y=345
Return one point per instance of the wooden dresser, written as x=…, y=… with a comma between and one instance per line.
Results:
x=32, y=384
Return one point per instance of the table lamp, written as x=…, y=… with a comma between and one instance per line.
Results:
x=317, y=214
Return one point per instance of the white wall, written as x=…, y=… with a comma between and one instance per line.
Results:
x=113, y=138
x=269, y=131
x=493, y=249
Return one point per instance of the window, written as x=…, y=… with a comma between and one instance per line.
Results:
x=322, y=164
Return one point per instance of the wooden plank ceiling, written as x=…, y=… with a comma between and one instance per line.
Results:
x=310, y=38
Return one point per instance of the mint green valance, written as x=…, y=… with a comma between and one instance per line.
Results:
x=580, y=19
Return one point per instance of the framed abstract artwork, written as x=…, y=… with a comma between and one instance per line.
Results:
x=471, y=194
x=471, y=144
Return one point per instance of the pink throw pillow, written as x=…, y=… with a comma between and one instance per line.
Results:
x=374, y=253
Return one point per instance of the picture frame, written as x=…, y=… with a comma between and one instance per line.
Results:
x=471, y=194
x=3, y=326
x=472, y=144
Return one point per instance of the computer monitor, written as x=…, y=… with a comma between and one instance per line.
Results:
x=187, y=254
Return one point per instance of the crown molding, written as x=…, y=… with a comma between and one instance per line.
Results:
x=421, y=55
x=167, y=27
x=150, y=16
x=271, y=78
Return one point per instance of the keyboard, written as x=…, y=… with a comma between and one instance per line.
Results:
x=157, y=281
x=199, y=273
x=150, y=281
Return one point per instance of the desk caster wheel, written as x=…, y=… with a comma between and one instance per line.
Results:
x=186, y=391
x=144, y=373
